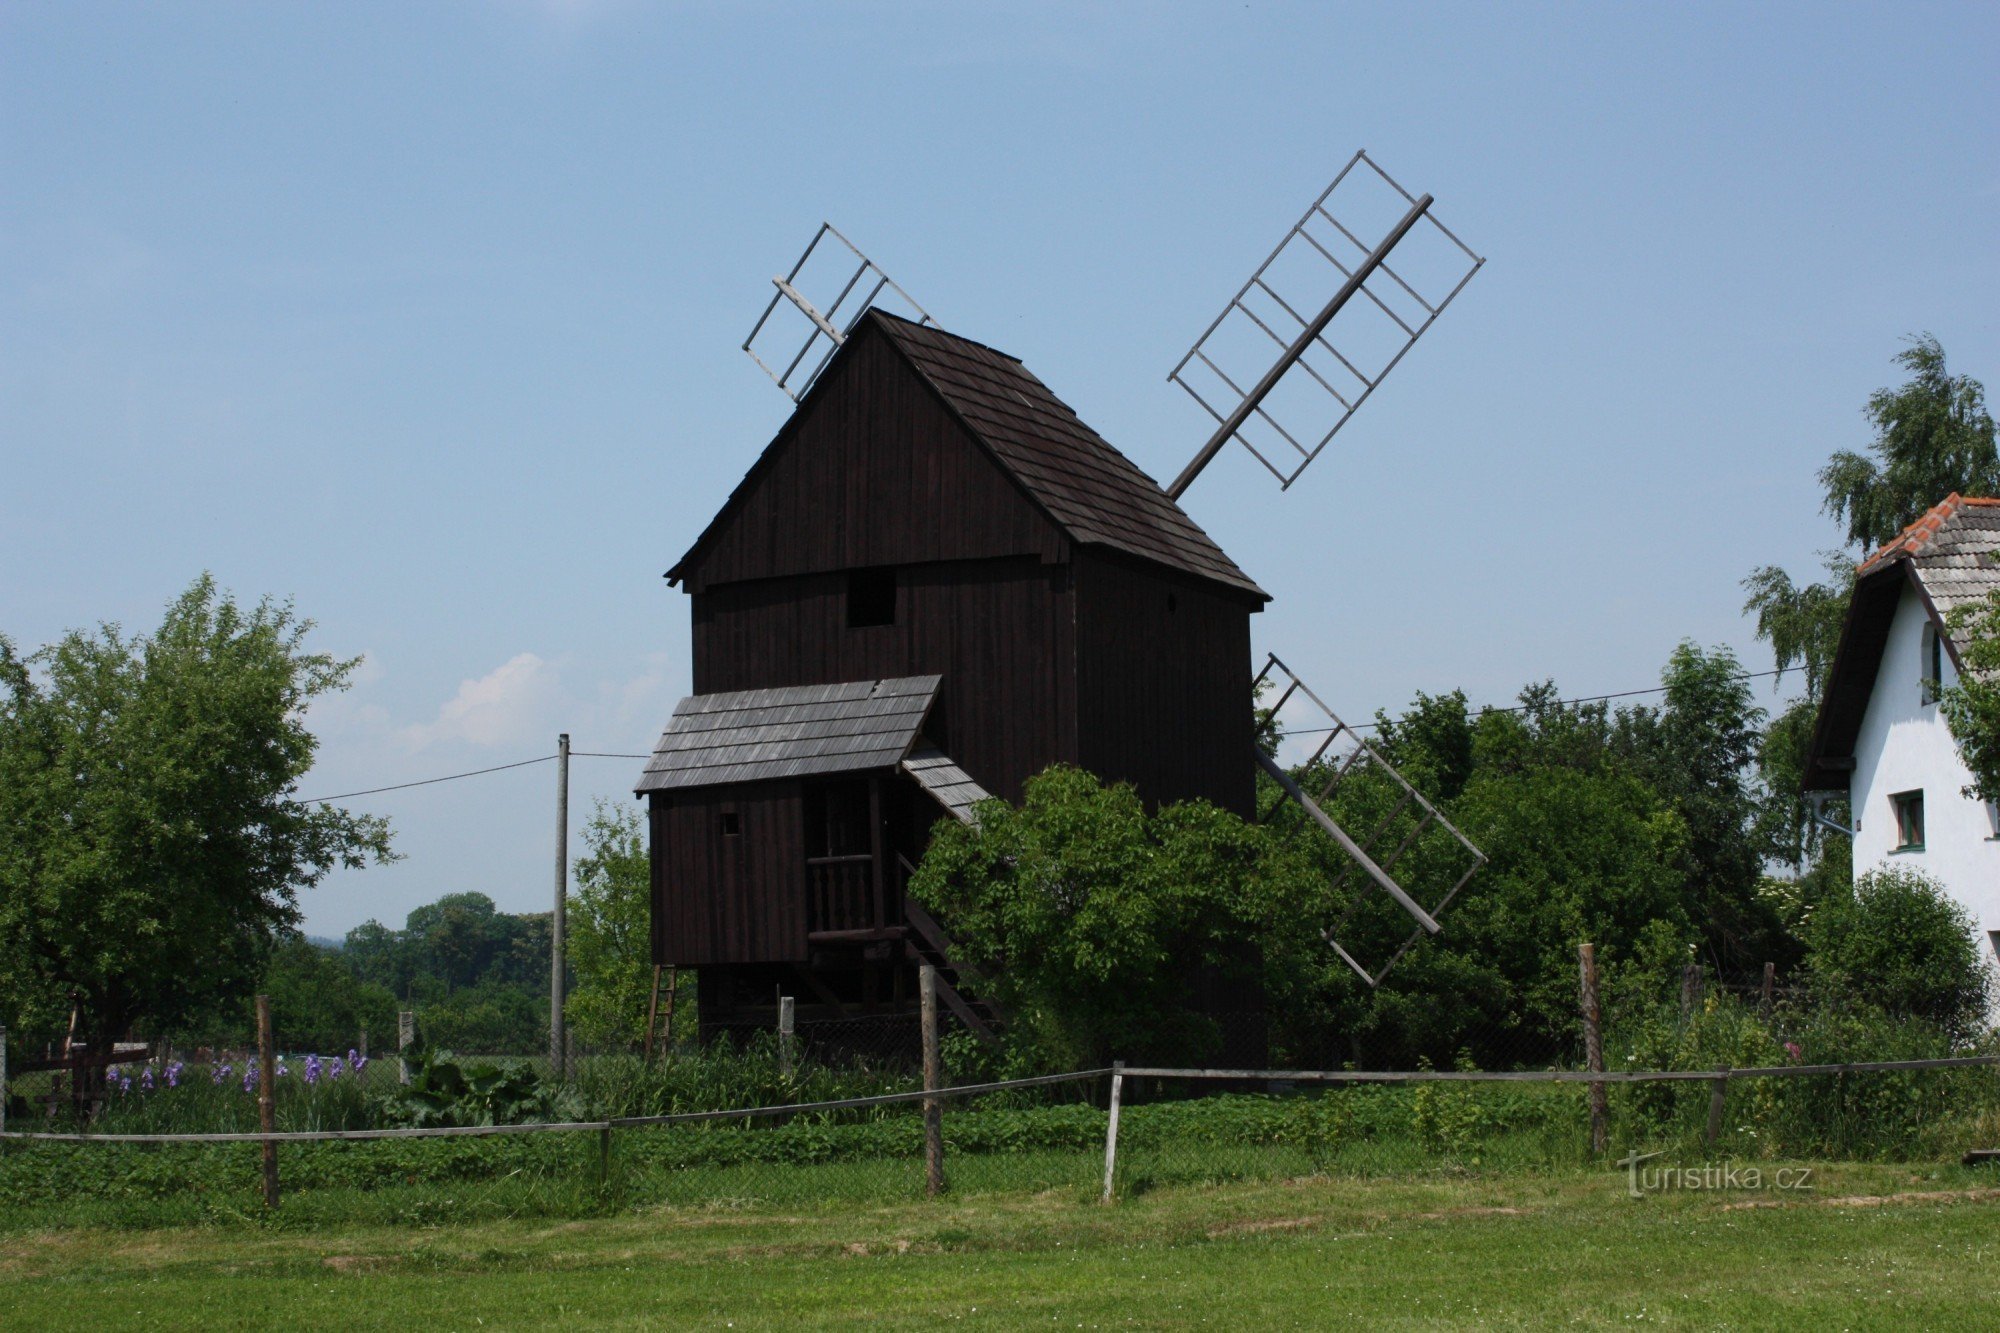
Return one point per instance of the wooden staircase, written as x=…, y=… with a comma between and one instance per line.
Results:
x=928, y=942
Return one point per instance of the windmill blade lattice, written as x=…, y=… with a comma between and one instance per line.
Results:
x=1385, y=913
x=824, y=325
x=1338, y=314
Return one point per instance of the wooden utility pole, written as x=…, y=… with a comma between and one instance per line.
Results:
x=406, y=1033
x=558, y=1044
x=267, y=1112
x=933, y=1080
x=1593, y=1047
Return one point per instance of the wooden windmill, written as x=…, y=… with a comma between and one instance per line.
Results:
x=933, y=583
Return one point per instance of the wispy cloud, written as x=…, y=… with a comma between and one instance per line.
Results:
x=510, y=704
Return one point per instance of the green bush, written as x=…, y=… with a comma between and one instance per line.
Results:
x=1899, y=942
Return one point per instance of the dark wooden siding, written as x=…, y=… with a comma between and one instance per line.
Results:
x=1000, y=632
x=1163, y=682
x=878, y=473
x=727, y=899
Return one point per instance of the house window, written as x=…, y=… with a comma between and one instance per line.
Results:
x=731, y=826
x=871, y=597
x=1933, y=664
x=1909, y=807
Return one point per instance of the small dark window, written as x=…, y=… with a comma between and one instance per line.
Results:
x=871, y=597
x=1909, y=820
x=730, y=825
x=1933, y=663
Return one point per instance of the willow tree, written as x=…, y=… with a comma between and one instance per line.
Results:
x=152, y=847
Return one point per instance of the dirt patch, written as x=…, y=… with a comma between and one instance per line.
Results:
x=1469, y=1212
x=1262, y=1224
x=348, y=1263
x=1872, y=1200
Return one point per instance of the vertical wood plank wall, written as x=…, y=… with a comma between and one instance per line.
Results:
x=1000, y=632
x=1163, y=683
x=720, y=899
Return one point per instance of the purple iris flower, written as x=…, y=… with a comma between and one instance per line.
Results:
x=312, y=1069
x=334, y=1068
x=222, y=1071
x=174, y=1074
x=250, y=1078
x=146, y=1078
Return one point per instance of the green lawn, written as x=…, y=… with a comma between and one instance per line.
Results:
x=1871, y=1246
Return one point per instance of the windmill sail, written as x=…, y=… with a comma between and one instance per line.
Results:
x=1383, y=912
x=1338, y=314
x=822, y=324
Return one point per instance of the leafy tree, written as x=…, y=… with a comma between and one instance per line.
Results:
x=1971, y=704
x=1093, y=918
x=610, y=931
x=317, y=1002
x=1699, y=751
x=1900, y=942
x=1933, y=436
x=151, y=847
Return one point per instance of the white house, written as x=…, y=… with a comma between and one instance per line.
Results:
x=1881, y=739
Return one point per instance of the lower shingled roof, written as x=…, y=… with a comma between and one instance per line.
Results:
x=800, y=731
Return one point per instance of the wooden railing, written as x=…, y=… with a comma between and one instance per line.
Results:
x=840, y=893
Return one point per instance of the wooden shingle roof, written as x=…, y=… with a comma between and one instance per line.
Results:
x=801, y=731
x=1093, y=492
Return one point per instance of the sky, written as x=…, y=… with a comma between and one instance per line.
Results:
x=429, y=319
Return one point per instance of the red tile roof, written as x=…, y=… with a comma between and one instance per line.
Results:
x=1912, y=540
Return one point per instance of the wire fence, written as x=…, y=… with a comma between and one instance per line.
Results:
x=833, y=1113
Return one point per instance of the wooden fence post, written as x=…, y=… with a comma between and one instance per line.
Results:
x=1111, y=1128
x=1593, y=1048
x=406, y=1033
x=267, y=1114
x=788, y=1024
x=604, y=1154
x=1718, y=1088
x=1690, y=984
x=1765, y=996
x=933, y=1080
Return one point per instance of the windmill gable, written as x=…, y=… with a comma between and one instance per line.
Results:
x=917, y=445
x=872, y=470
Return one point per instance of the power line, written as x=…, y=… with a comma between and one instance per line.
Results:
x=425, y=782
x=1559, y=703
x=1300, y=731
